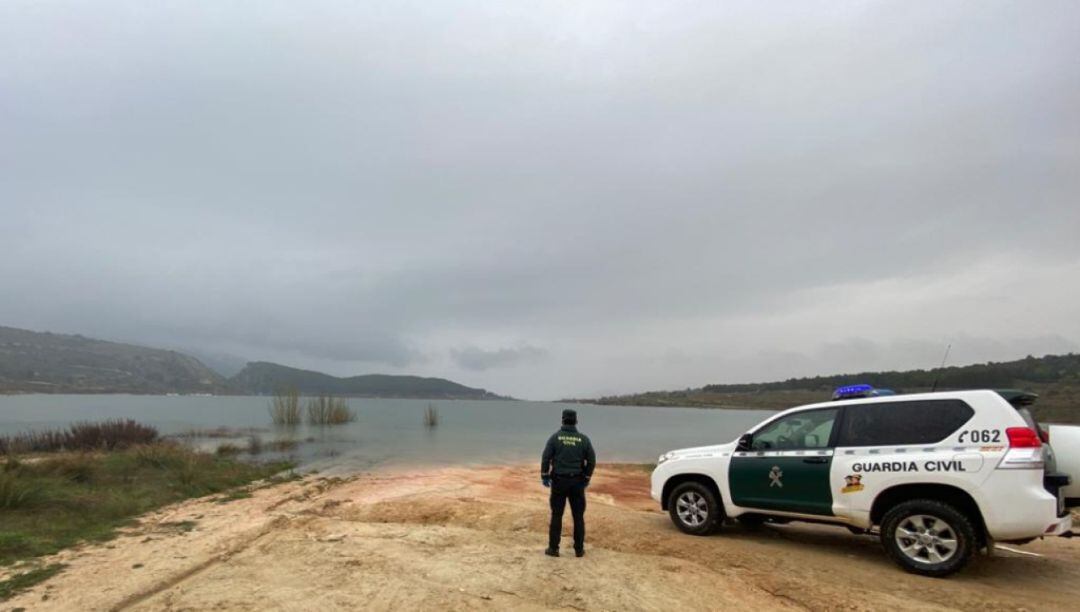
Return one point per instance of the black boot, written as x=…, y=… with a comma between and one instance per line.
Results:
x=579, y=552
x=551, y=552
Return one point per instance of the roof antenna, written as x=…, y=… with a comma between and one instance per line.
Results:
x=941, y=369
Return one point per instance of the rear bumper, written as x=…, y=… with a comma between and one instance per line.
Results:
x=1063, y=526
x=1016, y=506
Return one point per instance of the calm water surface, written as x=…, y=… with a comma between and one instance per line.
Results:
x=391, y=431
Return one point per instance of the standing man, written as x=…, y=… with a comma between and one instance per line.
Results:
x=566, y=467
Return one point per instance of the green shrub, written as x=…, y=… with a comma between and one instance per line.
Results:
x=78, y=468
x=16, y=493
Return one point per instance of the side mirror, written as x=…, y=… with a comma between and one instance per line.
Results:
x=744, y=442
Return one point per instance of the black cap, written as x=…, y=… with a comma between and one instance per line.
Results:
x=569, y=416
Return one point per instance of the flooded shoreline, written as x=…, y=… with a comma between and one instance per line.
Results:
x=390, y=431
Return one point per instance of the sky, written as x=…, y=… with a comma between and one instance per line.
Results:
x=546, y=199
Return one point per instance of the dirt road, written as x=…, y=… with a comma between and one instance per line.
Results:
x=472, y=538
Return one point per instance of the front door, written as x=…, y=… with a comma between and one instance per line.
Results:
x=787, y=465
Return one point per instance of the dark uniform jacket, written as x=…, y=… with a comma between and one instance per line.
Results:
x=568, y=453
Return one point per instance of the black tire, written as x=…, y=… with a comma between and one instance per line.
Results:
x=942, y=538
x=705, y=514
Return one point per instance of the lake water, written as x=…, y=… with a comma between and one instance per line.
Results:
x=392, y=431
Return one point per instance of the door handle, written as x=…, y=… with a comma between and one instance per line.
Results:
x=816, y=460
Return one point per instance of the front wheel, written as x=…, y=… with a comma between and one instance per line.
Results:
x=694, y=508
x=928, y=537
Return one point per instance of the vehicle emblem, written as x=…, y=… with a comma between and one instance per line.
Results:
x=775, y=474
x=852, y=483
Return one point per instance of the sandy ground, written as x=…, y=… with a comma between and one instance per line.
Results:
x=472, y=538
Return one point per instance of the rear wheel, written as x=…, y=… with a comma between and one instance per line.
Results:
x=694, y=508
x=928, y=537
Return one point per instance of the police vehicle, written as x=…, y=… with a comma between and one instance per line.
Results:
x=939, y=475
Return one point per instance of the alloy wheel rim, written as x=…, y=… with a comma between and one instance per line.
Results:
x=926, y=539
x=692, y=509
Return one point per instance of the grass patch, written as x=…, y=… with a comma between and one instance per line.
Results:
x=25, y=580
x=58, y=501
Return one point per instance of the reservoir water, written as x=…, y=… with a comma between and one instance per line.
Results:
x=392, y=431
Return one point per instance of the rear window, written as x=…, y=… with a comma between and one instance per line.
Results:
x=893, y=423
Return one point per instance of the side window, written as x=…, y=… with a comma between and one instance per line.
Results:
x=893, y=423
x=809, y=429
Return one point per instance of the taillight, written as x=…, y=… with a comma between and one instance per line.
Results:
x=1023, y=437
x=1044, y=435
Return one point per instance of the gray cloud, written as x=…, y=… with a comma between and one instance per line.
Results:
x=660, y=195
x=473, y=358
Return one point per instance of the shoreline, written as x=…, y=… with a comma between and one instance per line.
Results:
x=471, y=537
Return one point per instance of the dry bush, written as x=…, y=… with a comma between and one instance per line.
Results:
x=105, y=435
x=285, y=407
x=329, y=410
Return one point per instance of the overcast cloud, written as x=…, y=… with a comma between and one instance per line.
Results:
x=546, y=198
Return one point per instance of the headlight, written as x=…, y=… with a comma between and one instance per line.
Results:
x=665, y=457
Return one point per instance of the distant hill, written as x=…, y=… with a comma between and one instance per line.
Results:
x=43, y=362
x=1056, y=378
x=264, y=378
x=1039, y=370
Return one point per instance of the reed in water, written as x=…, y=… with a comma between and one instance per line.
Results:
x=329, y=410
x=431, y=416
x=285, y=407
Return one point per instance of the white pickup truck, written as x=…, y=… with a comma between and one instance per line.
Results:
x=940, y=474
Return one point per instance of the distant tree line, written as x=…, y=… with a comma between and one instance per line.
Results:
x=1041, y=370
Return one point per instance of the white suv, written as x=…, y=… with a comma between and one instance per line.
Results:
x=941, y=474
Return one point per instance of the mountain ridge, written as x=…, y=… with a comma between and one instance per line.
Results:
x=263, y=377
x=47, y=362
x=1056, y=378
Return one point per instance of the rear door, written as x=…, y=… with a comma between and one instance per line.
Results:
x=787, y=466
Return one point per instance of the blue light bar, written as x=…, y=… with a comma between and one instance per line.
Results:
x=853, y=391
